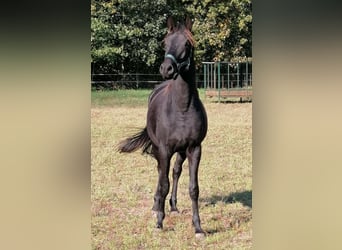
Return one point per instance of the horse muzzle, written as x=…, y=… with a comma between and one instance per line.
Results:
x=167, y=69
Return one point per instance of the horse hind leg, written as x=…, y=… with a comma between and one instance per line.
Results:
x=177, y=170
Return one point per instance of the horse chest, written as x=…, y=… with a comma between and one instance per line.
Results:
x=183, y=128
x=167, y=124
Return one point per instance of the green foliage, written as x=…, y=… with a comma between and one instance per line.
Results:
x=126, y=35
x=222, y=29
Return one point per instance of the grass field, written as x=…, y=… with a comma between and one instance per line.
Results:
x=123, y=185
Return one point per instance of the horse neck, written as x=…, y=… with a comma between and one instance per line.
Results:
x=185, y=90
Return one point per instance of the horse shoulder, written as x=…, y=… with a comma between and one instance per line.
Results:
x=158, y=90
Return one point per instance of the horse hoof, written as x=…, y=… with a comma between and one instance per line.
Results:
x=200, y=236
x=159, y=226
x=156, y=231
x=174, y=213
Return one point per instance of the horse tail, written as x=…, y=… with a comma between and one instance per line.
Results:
x=135, y=142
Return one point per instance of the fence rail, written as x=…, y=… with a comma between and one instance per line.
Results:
x=212, y=75
x=132, y=81
x=124, y=81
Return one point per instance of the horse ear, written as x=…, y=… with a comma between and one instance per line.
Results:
x=170, y=24
x=188, y=23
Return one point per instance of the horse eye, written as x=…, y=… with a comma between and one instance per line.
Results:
x=187, y=46
x=183, y=54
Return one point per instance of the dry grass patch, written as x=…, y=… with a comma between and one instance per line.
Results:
x=123, y=185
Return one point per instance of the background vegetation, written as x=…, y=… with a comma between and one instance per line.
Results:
x=126, y=35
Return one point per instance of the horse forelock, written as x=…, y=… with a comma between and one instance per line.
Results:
x=181, y=28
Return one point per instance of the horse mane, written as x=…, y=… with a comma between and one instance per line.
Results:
x=189, y=36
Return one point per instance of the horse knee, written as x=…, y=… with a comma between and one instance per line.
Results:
x=165, y=187
x=177, y=171
x=194, y=191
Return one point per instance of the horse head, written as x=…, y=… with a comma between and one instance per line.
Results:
x=178, y=45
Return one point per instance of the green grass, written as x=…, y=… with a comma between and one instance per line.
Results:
x=128, y=97
x=123, y=185
x=123, y=97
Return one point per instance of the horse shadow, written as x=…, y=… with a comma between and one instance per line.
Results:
x=235, y=217
x=232, y=101
x=244, y=197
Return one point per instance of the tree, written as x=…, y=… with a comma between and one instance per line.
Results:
x=126, y=35
x=222, y=29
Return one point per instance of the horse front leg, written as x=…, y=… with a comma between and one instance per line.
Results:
x=177, y=170
x=163, y=187
x=194, y=156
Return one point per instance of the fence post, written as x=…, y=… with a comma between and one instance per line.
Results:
x=213, y=75
x=228, y=77
x=246, y=73
x=238, y=74
x=137, y=79
x=205, y=75
x=219, y=80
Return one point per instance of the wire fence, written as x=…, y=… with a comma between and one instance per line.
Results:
x=124, y=81
x=131, y=81
x=228, y=76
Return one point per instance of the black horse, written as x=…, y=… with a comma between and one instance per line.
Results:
x=176, y=122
